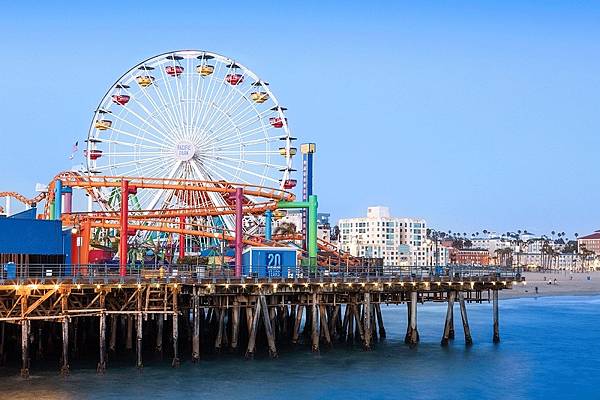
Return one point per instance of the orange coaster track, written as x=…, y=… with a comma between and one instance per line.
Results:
x=169, y=220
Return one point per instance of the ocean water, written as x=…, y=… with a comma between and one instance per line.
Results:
x=550, y=349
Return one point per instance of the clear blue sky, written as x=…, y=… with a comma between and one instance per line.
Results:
x=473, y=115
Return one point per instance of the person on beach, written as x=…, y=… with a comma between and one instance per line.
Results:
x=536, y=290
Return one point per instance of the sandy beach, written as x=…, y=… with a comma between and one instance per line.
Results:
x=562, y=284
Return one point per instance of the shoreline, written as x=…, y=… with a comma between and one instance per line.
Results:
x=561, y=283
x=508, y=296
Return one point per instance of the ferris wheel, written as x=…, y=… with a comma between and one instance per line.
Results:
x=190, y=115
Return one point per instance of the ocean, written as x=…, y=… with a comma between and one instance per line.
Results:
x=550, y=349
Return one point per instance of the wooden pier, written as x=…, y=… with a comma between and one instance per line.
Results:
x=187, y=319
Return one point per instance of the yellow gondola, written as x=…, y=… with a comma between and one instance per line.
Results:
x=103, y=124
x=283, y=151
x=259, y=97
x=145, y=80
x=205, y=70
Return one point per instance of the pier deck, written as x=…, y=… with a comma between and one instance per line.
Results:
x=196, y=310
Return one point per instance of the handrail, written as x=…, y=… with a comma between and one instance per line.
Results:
x=107, y=273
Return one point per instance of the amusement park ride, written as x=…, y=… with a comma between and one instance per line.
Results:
x=187, y=150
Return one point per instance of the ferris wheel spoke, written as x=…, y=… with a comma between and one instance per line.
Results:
x=150, y=171
x=248, y=142
x=188, y=94
x=198, y=104
x=220, y=88
x=205, y=100
x=179, y=102
x=171, y=104
x=249, y=152
x=205, y=175
x=129, y=144
x=251, y=162
x=157, y=110
x=146, y=122
x=256, y=118
x=141, y=138
x=217, y=200
x=129, y=154
x=245, y=171
x=170, y=175
x=178, y=120
x=227, y=110
x=135, y=162
x=151, y=114
x=167, y=111
x=129, y=123
x=241, y=136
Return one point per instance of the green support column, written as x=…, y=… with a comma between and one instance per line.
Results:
x=312, y=205
x=312, y=230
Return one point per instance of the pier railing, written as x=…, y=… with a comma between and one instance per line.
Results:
x=186, y=273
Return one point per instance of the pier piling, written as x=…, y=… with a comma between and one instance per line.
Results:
x=314, y=324
x=382, y=334
x=449, y=317
x=465, y=320
x=297, y=324
x=324, y=325
x=196, y=329
x=112, y=343
x=235, y=325
x=412, y=335
x=102, y=331
x=496, y=338
x=64, y=368
x=138, y=339
x=25, y=348
x=268, y=327
x=368, y=331
x=255, y=316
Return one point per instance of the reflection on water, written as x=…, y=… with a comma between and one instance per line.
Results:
x=549, y=349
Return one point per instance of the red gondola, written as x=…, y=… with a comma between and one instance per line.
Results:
x=277, y=122
x=289, y=183
x=174, y=70
x=234, y=79
x=94, y=154
x=121, y=99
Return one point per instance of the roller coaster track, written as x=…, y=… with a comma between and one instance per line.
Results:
x=168, y=220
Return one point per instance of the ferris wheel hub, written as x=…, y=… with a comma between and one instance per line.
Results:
x=185, y=150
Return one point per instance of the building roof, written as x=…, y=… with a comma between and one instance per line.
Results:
x=595, y=235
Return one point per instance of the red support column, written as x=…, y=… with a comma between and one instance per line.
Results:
x=181, y=238
x=124, y=222
x=239, y=243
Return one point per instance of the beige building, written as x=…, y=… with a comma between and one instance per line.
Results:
x=590, y=242
x=399, y=241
